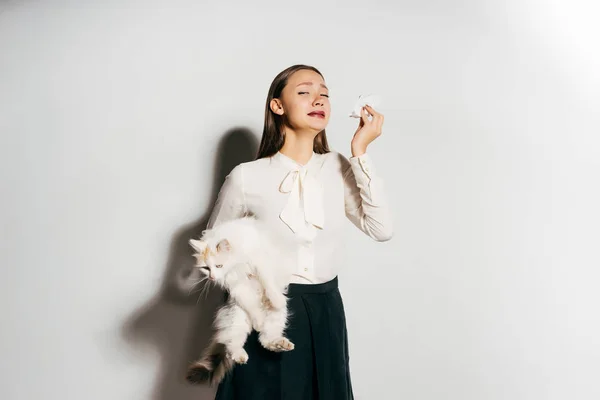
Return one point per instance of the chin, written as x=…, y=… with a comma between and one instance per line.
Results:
x=310, y=126
x=318, y=127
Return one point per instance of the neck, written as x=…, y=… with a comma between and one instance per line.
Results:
x=298, y=147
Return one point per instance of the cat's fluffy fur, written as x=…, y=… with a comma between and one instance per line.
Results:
x=244, y=259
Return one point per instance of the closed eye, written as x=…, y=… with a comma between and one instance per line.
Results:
x=322, y=94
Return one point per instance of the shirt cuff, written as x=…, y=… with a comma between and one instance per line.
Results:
x=363, y=169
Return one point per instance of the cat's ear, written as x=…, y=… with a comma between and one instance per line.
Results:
x=223, y=245
x=198, y=245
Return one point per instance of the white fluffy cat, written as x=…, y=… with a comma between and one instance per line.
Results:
x=244, y=259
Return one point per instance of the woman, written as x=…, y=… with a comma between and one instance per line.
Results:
x=305, y=192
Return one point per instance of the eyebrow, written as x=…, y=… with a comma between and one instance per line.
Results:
x=310, y=83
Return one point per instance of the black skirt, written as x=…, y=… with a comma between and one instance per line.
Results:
x=317, y=368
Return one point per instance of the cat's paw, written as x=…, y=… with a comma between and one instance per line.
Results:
x=281, y=344
x=239, y=356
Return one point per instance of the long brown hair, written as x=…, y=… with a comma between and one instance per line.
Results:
x=273, y=136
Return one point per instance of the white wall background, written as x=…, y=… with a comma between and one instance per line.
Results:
x=119, y=120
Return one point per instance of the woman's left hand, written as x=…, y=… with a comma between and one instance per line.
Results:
x=367, y=131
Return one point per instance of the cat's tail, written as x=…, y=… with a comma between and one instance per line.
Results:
x=211, y=367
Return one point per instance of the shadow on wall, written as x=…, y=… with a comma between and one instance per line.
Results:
x=177, y=323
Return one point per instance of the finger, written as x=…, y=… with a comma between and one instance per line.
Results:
x=376, y=119
x=361, y=122
x=365, y=116
x=379, y=124
x=371, y=110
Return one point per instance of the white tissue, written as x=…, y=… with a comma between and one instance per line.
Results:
x=373, y=100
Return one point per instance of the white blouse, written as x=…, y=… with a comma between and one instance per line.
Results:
x=309, y=204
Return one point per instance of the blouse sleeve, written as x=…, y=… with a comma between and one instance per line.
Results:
x=365, y=200
x=230, y=202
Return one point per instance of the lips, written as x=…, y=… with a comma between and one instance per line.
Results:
x=318, y=114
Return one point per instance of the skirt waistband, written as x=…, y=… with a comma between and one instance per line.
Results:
x=301, y=288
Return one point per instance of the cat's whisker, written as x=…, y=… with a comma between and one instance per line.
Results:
x=199, y=294
x=196, y=283
x=200, y=290
x=207, y=290
x=204, y=289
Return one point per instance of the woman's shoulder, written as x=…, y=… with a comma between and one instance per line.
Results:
x=254, y=165
x=248, y=171
x=250, y=165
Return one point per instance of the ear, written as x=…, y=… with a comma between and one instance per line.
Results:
x=223, y=245
x=198, y=245
x=276, y=106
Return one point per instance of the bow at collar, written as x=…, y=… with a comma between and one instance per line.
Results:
x=305, y=202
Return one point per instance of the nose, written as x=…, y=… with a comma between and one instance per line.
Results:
x=318, y=101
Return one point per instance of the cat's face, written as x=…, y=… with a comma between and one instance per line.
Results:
x=213, y=261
